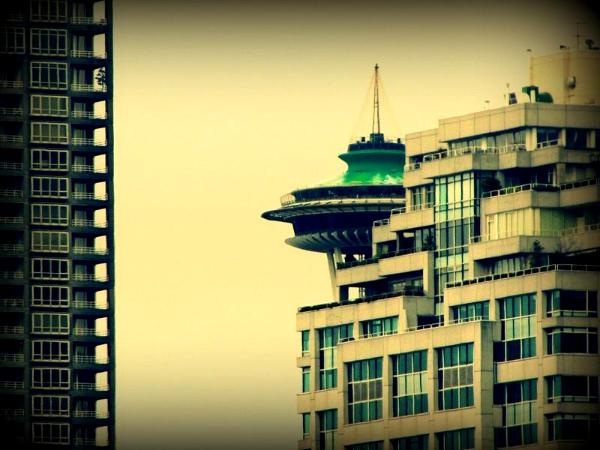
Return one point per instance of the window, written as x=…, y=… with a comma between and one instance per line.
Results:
x=44, y=159
x=563, y=303
x=57, y=351
x=49, y=105
x=49, y=269
x=50, y=241
x=50, y=323
x=49, y=214
x=456, y=439
x=518, y=324
x=50, y=378
x=548, y=136
x=420, y=442
x=49, y=10
x=455, y=376
x=365, y=390
x=571, y=340
x=366, y=446
x=567, y=388
x=50, y=405
x=379, y=327
x=327, y=421
x=49, y=133
x=305, y=342
x=50, y=296
x=305, y=425
x=305, y=379
x=572, y=427
x=48, y=75
x=49, y=187
x=12, y=40
x=48, y=42
x=328, y=340
x=471, y=311
x=518, y=401
x=50, y=433
x=409, y=384
x=576, y=138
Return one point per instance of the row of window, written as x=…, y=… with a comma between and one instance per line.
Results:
x=54, y=214
x=54, y=76
x=44, y=41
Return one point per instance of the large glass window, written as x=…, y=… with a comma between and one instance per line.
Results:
x=455, y=376
x=571, y=340
x=518, y=401
x=46, y=159
x=48, y=75
x=471, y=311
x=572, y=388
x=50, y=378
x=518, y=328
x=49, y=214
x=305, y=379
x=328, y=341
x=50, y=323
x=567, y=303
x=49, y=105
x=547, y=136
x=420, y=442
x=50, y=241
x=409, y=384
x=50, y=433
x=50, y=296
x=327, y=422
x=365, y=390
x=49, y=10
x=378, y=327
x=12, y=40
x=572, y=427
x=50, y=187
x=49, y=269
x=50, y=405
x=456, y=439
x=305, y=425
x=57, y=351
x=49, y=133
x=48, y=42
x=305, y=342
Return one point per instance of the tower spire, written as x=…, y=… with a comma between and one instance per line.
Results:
x=376, y=120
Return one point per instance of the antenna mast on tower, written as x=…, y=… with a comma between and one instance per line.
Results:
x=376, y=119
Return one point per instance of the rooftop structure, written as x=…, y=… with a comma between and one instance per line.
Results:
x=472, y=320
x=57, y=354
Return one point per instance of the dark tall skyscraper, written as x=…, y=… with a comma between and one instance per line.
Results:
x=57, y=350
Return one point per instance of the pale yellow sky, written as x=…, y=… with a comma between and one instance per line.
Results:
x=221, y=107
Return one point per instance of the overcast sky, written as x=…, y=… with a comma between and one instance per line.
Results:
x=222, y=107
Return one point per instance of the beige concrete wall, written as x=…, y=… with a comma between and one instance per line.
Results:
x=411, y=220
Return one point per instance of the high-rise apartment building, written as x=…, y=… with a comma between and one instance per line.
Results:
x=57, y=355
x=470, y=318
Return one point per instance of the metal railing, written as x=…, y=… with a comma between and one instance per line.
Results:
x=92, y=414
x=87, y=115
x=11, y=275
x=85, y=168
x=359, y=262
x=11, y=165
x=89, y=332
x=11, y=84
x=85, y=20
x=11, y=329
x=374, y=335
x=90, y=251
x=545, y=144
x=12, y=412
x=87, y=54
x=409, y=291
x=572, y=313
x=11, y=111
x=88, y=141
x=87, y=359
x=49, y=248
x=579, y=183
x=89, y=277
x=412, y=208
x=467, y=319
x=12, y=357
x=11, y=139
x=88, y=196
x=542, y=187
x=84, y=441
x=381, y=223
x=12, y=302
x=11, y=193
x=12, y=248
x=89, y=304
x=4, y=384
x=89, y=387
x=524, y=272
x=84, y=87
x=88, y=223
x=12, y=220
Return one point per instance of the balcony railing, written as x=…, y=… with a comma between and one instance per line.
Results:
x=11, y=84
x=11, y=193
x=12, y=303
x=411, y=208
x=542, y=187
x=414, y=291
x=88, y=196
x=87, y=54
x=84, y=442
x=89, y=387
x=12, y=357
x=572, y=313
x=359, y=262
x=89, y=304
x=381, y=223
x=11, y=112
x=87, y=115
x=88, y=223
x=12, y=412
x=84, y=87
x=545, y=144
x=88, y=141
x=12, y=329
x=11, y=220
x=12, y=248
x=530, y=271
x=10, y=165
x=11, y=384
x=90, y=251
x=11, y=275
x=87, y=359
x=84, y=168
x=537, y=233
x=11, y=139
x=90, y=414
x=85, y=20
x=89, y=332
x=89, y=277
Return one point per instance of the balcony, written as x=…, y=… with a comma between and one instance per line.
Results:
x=89, y=304
x=85, y=87
x=10, y=166
x=417, y=216
x=11, y=84
x=90, y=251
x=88, y=141
x=88, y=223
x=12, y=412
x=11, y=220
x=12, y=303
x=83, y=168
x=89, y=277
x=12, y=357
x=90, y=387
x=90, y=415
x=11, y=139
x=11, y=193
x=11, y=275
x=4, y=384
x=88, y=196
x=88, y=115
x=12, y=329
x=496, y=246
x=87, y=54
x=11, y=248
x=11, y=112
x=87, y=359
x=89, y=332
x=86, y=20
